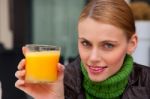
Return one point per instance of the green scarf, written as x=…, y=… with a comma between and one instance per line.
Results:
x=111, y=88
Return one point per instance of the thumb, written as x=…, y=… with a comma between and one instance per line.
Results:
x=61, y=69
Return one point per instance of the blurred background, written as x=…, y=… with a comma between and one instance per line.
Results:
x=52, y=22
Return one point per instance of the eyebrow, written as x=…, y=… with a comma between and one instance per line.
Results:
x=81, y=38
x=104, y=41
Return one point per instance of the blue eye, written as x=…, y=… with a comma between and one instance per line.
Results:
x=108, y=45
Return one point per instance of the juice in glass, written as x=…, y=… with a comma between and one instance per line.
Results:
x=41, y=63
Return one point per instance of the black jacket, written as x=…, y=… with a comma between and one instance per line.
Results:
x=138, y=84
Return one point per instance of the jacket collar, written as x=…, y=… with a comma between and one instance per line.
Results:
x=133, y=78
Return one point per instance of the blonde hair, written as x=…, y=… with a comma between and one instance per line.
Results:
x=114, y=12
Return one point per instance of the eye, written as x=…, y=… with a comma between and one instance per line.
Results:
x=85, y=43
x=108, y=45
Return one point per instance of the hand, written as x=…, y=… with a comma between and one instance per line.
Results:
x=53, y=90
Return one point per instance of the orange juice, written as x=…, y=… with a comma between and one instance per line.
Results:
x=41, y=66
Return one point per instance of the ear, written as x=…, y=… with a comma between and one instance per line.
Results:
x=132, y=44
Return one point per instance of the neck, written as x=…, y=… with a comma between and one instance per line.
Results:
x=110, y=88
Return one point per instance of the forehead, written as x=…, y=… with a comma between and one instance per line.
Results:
x=92, y=29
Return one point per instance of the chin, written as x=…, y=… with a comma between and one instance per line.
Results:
x=97, y=78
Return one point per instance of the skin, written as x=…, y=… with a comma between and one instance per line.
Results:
x=102, y=48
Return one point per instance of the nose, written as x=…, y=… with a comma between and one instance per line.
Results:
x=94, y=55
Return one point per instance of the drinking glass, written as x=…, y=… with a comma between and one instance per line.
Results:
x=41, y=63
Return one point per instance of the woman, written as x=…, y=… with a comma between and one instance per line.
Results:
x=104, y=68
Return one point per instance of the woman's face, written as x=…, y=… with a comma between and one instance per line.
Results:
x=102, y=48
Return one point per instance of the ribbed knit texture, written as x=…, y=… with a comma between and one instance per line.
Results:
x=111, y=88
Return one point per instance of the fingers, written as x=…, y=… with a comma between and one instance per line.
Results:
x=20, y=74
x=61, y=67
x=24, y=50
x=21, y=64
x=19, y=83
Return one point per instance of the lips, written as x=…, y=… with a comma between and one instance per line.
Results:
x=97, y=69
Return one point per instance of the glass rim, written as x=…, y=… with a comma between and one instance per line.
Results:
x=43, y=45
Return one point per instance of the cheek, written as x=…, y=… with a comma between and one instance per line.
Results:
x=79, y=48
x=116, y=60
x=82, y=52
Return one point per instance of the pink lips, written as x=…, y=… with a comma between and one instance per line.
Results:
x=96, y=69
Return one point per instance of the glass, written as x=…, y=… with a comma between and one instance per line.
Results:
x=41, y=63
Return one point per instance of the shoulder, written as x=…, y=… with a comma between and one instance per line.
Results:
x=141, y=71
x=72, y=71
x=140, y=66
x=73, y=66
x=140, y=75
x=138, y=85
x=73, y=79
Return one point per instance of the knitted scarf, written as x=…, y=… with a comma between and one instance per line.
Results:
x=111, y=88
